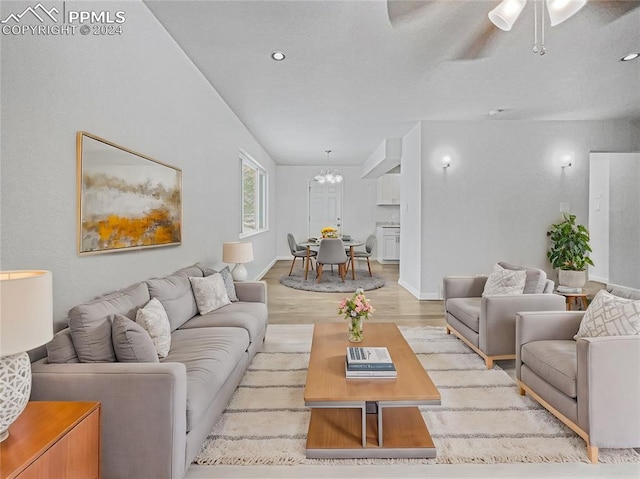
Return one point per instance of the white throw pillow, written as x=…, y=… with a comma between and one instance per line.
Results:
x=210, y=293
x=505, y=281
x=610, y=315
x=153, y=318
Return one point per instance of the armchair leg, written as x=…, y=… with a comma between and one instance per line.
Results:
x=369, y=266
x=592, y=454
x=521, y=391
x=488, y=362
x=319, y=271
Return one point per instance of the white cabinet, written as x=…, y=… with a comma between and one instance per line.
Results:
x=389, y=189
x=388, y=244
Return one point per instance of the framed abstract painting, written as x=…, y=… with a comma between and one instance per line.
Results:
x=126, y=200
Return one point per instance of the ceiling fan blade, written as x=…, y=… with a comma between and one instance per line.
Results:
x=480, y=44
x=610, y=10
x=403, y=12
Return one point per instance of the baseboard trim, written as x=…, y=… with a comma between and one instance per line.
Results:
x=266, y=269
x=419, y=294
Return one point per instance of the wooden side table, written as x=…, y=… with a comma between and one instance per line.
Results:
x=53, y=440
x=579, y=299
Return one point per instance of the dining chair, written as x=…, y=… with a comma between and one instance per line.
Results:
x=331, y=252
x=369, y=246
x=298, y=251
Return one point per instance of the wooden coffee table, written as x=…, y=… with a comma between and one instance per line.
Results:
x=358, y=418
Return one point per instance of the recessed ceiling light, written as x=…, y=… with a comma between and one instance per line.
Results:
x=278, y=56
x=630, y=56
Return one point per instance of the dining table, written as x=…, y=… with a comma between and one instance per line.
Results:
x=351, y=244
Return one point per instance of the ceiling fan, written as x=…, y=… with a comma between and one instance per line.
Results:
x=501, y=15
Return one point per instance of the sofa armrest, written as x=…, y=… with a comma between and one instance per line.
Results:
x=544, y=325
x=252, y=291
x=463, y=286
x=608, y=380
x=143, y=411
x=497, y=329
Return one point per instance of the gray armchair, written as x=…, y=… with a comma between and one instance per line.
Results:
x=592, y=384
x=488, y=324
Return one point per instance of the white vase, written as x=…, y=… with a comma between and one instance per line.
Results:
x=572, y=279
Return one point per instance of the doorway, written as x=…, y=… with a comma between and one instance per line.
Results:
x=325, y=207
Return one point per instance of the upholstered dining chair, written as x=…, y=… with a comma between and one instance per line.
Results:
x=331, y=251
x=369, y=246
x=298, y=251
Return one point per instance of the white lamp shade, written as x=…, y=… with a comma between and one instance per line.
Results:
x=26, y=310
x=561, y=10
x=237, y=252
x=505, y=14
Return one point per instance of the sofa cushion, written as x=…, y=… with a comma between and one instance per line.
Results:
x=536, y=278
x=555, y=361
x=153, y=318
x=90, y=323
x=175, y=294
x=228, y=280
x=250, y=316
x=60, y=349
x=209, y=355
x=609, y=315
x=504, y=281
x=466, y=310
x=131, y=343
x=210, y=293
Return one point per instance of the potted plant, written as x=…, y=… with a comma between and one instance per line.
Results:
x=568, y=251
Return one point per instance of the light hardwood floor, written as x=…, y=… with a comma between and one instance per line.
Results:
x=392, y=303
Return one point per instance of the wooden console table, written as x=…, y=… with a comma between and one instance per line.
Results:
x=53, y=439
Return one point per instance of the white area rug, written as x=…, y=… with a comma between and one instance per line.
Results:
x=482, y=418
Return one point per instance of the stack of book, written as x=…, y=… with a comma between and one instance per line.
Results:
x=569, y=290
x=369, y=363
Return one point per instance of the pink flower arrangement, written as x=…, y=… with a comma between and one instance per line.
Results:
x=355, y=307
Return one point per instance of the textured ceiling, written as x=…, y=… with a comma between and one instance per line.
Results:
x=350, y=80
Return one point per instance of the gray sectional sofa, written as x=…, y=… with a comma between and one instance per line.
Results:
x=155, y=415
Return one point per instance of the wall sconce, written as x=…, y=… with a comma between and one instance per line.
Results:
x=446, y=161
x=566, y=161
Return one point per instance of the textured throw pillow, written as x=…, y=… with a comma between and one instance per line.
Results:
x=131, y=342
x=504, y=281
x=610, y=315
x=228, y=283
x=536, y=278
x=153, y=318
x=60, y=349
x=210, y=293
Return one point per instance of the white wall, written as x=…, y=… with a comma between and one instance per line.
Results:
x=411, y=212
x=359, y=204
x=503, y=190
x=138, y=90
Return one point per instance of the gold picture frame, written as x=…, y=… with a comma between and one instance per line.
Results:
x=126, y=200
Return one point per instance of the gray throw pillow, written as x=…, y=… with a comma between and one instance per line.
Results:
x=228, y=283
x=609, y=315
x=60, y=349
x=536, y=278
x=131, y=342
x=210, y=293
x=153, y=318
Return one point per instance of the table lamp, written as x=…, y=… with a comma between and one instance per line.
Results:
x=26, y=322
x=238, y=253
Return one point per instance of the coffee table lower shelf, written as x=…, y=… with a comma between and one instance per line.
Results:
x=337, y=433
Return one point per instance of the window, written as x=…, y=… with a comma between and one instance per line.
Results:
x=254, y=197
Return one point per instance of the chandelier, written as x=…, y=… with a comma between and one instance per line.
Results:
x=328, y=176
x=508, y=11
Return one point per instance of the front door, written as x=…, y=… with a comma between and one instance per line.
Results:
x=325, y=207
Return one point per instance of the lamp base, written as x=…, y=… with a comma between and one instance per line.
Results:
x=15, y=384
x=239, y=273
